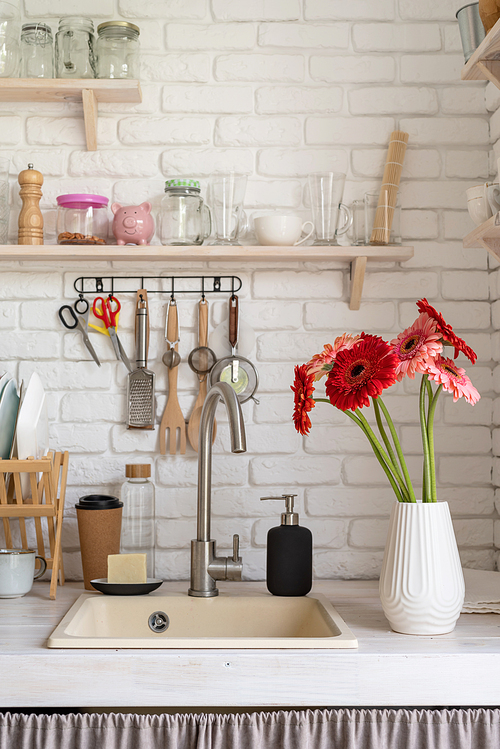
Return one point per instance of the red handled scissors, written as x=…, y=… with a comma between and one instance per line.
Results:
x=105, y=311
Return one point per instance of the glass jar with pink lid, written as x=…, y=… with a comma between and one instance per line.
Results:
x=82, y=218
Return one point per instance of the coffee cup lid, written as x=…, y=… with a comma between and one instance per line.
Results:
x=98, y=502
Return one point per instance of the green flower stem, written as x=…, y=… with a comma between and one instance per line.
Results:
x=425, y=442
x=430, y=436
x=376, y=444
x=397, y=445
x=383, y=433
x=379, y=457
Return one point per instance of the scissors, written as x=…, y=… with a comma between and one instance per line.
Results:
x=107, y=314
x=77, y=322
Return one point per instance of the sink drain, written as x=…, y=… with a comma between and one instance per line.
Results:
x=158, y=621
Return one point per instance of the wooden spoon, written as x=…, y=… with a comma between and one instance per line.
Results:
x=195, y=418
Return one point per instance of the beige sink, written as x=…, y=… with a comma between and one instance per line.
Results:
x=253, y=621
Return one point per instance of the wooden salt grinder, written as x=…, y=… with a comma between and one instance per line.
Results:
x=30, y=220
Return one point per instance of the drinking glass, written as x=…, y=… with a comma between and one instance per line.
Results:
x=227, y=193
x=4, y=200
x=392, y=216
x=326, y=190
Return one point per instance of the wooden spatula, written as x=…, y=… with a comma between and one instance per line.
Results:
x=195, y=418
x=172, y=418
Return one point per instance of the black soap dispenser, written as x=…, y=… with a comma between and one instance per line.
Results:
x=289, y=554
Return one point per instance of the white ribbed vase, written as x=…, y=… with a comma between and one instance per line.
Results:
x=421, y=584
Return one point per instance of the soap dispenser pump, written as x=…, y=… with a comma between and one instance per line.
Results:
x=289, y=554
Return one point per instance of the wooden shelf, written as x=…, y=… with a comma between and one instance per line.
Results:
x=486, y=235
x=89, y=91
x=484, y=63
x=356, y=256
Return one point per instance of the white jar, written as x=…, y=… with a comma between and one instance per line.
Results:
x=117, y=50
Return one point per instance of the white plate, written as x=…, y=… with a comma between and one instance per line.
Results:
x=9, y=402
x=32, y=424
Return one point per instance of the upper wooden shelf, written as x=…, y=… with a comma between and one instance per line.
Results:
x=89, y=91
x=486, y=235
x=484, y=63
x=356, y=256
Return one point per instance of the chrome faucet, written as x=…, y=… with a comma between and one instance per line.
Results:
x=206, y=566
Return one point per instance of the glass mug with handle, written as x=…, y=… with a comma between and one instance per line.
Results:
x=326, y=191
x=17, y=571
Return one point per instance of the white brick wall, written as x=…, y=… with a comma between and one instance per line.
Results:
x=275, y=88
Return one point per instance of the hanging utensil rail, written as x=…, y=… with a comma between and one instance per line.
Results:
x=169, y=284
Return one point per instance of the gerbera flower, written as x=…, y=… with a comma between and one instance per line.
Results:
x=453, y=379
x=360, y=372
x=303, y=389
x=447, y=331
x=322, y=363
x=416, y=345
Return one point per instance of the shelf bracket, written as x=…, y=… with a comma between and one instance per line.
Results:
x=90, y=118
x=358, y=267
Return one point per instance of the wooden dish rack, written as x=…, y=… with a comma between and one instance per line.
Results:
x=35, y=488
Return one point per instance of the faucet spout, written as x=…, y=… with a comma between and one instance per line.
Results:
x=206, y=567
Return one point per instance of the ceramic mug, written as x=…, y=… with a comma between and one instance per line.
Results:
x=283, y=231
x=17, y=571
x=483, y=201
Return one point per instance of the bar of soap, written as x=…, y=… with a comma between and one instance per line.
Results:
x=127, y=568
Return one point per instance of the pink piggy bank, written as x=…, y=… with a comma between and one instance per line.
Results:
x=133, y=224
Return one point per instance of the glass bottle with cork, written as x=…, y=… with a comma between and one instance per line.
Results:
x=138, y=522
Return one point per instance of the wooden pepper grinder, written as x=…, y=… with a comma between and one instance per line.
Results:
x=30, y=220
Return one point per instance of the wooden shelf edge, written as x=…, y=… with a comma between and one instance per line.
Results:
x=112, y=90
x=250, y=253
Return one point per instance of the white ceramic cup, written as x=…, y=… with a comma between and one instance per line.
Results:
x=284, y=231
x=483, y=201
x=17, y=571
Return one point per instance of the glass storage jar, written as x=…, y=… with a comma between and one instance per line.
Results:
x=37, y=51
x=82, y=219
x=117, y=50
x=74, y=55
x=184, y=218
x=138, y=518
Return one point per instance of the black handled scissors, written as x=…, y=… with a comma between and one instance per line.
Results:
x=75, y=321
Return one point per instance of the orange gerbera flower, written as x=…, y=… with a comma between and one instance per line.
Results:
x=447, y=331
x=303, y=390
x=322, y=363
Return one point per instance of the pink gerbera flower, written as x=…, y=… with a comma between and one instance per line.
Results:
x=416, y=345
x=452, y=378
x=322, y=363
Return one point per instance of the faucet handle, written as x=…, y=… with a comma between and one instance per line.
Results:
x=236, y=548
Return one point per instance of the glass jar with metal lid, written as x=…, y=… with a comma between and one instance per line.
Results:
x=82, y=219
x=37, y=51
x=74, y=54
x=184, y=217
x=117, y=50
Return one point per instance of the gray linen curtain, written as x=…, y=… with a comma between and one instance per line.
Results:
x=308, y=729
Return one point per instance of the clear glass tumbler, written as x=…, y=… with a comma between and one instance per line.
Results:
x=74, y=54
x=184, y=218
x=117, y=50
x=390, y=217
x=227, y=193
x=37, y=51
x=327, y=189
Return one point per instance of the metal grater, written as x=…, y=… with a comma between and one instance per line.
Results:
x=141, y=382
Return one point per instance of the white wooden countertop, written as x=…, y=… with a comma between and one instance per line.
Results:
x=388, y=669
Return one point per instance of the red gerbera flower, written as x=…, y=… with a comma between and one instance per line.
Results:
x=303, y=389
x=360, y=372
x=447, y=331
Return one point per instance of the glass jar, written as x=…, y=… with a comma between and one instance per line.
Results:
x=138, y=518
x=117, y=50
x=37, y=51
x=10, y=27
x=75, y=48
x=82, y=219
x=184, y=218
